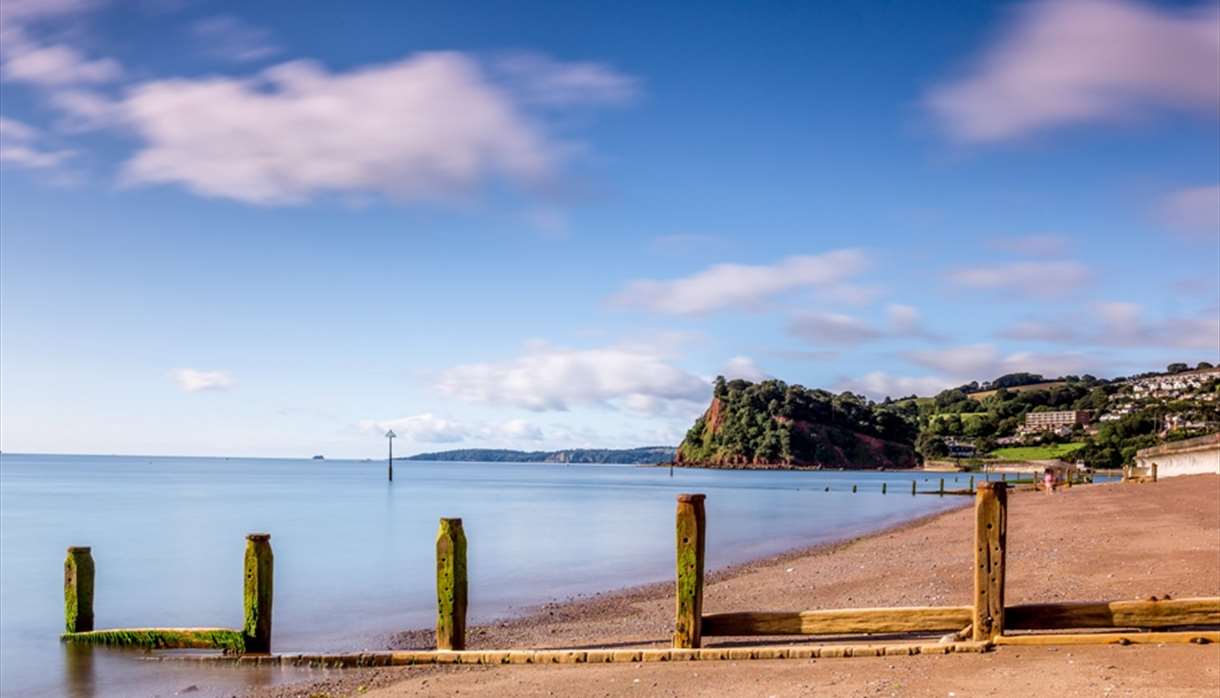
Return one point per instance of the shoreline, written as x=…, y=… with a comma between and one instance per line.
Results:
x=1107, y=541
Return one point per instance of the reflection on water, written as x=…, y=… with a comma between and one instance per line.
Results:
x=354, y=554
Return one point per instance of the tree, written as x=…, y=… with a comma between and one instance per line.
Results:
x=1176, y=368
x=1203, y=366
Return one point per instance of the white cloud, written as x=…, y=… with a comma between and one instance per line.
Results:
x=232, y=39
x=543, y=80
x=985, y=362
x=427, y=127
x=20, y=146
x=744, y=367
x=193, y=380
x=552, y=378
x=519, y=430
x=1031, y=245
x=420, y=428
x=879, y=384
x=739, y=285
x=1194, y=211
x=1045, y=279
x=25, y=58
x=1066, y=62
x=430, y=127
x=904, y=319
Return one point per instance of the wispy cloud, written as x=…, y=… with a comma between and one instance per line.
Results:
x=1061, y=62
x=743, y=367
x=832, y=328
x=986, y=361
x=1194, y=211
x=1043, y=279
x=1123, y=324
x=21, y=146
x=423, y=428
x=193, y=380
x=880, y=384
x=542, y=80
x=837, y=329
x=24, y=57
x=740, y=285
x=231, y=38
x=549, y=378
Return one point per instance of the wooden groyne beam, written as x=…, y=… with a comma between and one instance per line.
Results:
x=838, y=621
x=1163, y=613
x=226, y=639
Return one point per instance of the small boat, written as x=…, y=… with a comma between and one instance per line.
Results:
x=319, y=457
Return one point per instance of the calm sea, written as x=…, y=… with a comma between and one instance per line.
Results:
x=354, y=555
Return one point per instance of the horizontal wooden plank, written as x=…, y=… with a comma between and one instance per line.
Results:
x=1130, y=638
x=163, y=638
x=838, y=621
x=1166, y=613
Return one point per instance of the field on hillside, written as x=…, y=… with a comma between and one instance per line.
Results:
x=1037, y=452
x=1016, y=389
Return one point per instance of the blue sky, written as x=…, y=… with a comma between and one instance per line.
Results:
x=275, y=229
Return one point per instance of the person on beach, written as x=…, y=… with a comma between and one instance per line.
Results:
x=1048, y=479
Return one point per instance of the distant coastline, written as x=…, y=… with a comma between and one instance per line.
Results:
x=622, y=456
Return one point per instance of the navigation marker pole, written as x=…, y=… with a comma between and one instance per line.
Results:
x=389, y=437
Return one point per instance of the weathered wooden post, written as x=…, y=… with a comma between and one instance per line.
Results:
x=853, y=489
x=971, y=483
x=1003, y=477
x=78, y=590
x=912, y=488
x=942, y=487
x=883, y=488
x=990, y=543
x=691, y=532
x=259, y=569
x=450, y=585
x=1154, y=472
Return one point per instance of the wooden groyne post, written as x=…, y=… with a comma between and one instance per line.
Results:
x=883, y=488
x=78, y=590
x=691, y=538
x=990, y=544
x=1154, y=472
x=259, y=569
x=450, y=585
x=942, y=487
x=912, y=488
x=971, y=483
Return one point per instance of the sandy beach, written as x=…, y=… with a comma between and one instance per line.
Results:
x=1112, y=542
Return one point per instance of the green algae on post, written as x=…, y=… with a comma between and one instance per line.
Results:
x=450, y=585
x=78, y=590
x=691, y=533
x=163, y=638
x=259, y=568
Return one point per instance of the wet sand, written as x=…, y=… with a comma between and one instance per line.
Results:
x=1109, y=541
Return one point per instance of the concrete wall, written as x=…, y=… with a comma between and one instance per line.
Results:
x=1190, y=457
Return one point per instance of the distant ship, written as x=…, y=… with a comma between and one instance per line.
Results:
x=319, y=457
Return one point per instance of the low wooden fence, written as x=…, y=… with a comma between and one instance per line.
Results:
x=986, y=622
